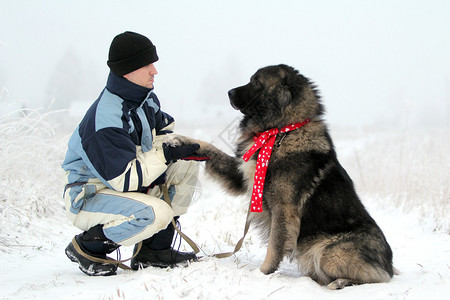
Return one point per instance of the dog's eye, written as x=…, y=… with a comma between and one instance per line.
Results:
x=255, y=81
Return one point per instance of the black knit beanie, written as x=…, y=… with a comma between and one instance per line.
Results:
x=130, y=51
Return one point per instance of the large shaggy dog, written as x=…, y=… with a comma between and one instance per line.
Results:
x=310, y=209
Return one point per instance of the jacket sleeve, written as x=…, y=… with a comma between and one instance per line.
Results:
x=119, y=163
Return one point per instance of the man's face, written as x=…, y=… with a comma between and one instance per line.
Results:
x=144, y=76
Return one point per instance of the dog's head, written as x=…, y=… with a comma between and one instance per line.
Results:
x=276, y=96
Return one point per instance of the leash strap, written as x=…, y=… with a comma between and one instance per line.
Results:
x=240, y=242
x=108, y=260
x=194, y=245
x=191, y=243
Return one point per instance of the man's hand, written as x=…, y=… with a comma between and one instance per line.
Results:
x=184, y=152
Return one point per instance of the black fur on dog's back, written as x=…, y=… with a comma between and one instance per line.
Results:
x=310, y=206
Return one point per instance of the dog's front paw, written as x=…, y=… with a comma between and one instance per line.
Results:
x=267, y=268
x=175, y=140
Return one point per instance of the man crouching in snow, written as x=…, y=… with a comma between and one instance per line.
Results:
x=115, y=161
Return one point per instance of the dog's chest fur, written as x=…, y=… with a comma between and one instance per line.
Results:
x=247, y=168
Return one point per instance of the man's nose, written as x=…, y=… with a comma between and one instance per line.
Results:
x=153, y=70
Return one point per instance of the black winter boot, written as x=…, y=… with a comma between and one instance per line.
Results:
x=94, y=243
x=156, y=251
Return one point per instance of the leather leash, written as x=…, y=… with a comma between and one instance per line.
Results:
x=191, y=243
x=166, y=195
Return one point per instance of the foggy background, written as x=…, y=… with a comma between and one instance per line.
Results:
x=376, y=63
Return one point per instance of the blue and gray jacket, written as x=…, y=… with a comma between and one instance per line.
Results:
x=118, y=144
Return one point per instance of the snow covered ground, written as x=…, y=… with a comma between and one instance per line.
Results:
x=402, y=177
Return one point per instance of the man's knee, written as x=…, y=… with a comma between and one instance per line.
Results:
x=183, y=172
x=149, y=221
x=163, y=215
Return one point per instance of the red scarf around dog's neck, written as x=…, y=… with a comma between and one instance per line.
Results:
x=265, y=140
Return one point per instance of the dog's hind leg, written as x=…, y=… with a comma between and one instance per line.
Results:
x=338, y=261
x=284, y=231
x=348, y=263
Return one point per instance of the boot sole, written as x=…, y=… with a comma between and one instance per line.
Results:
x=71, y=253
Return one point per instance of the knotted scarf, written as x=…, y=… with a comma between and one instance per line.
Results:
x=265, y=140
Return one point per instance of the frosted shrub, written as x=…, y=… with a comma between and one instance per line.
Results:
x=30, y=173
x=404, y=169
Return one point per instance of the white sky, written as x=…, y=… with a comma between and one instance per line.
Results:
x=376, y=62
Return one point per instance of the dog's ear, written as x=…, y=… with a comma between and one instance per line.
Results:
x=290, y=82
x=285, y=95
x=294, y=82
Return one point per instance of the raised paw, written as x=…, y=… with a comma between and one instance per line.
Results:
x=176, y=140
